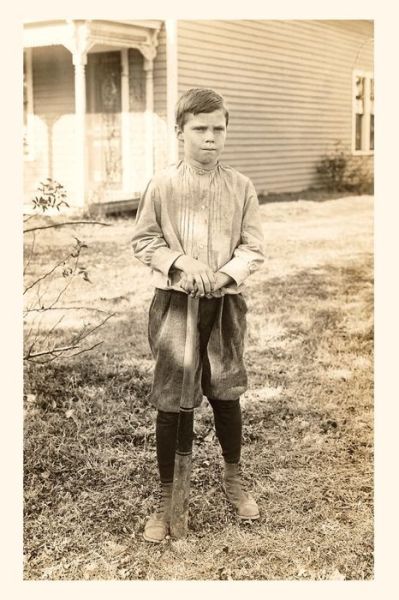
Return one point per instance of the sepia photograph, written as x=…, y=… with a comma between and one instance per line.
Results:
x=198, y=299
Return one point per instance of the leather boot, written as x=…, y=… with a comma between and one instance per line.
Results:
x=157, y=526
x=243, y=502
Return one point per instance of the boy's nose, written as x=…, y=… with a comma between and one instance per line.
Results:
x=209, y=135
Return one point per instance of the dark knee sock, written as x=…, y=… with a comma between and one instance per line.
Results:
x=166, y=433
x=228, y=425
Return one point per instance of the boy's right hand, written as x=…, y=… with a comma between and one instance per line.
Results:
x=199, y=279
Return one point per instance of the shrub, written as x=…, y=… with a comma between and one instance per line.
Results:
x=331, y=170
x=340, y=171
x=358, y=175
x=50, y=194
x=46, y=286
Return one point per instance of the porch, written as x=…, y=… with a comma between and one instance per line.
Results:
x=90, y=121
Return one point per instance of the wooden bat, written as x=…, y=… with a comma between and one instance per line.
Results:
x=184, y=447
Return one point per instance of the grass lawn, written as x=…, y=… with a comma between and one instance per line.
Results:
x=89, y=455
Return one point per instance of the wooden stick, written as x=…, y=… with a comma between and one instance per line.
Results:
x=183, y=457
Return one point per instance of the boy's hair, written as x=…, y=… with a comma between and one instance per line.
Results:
x=199, y=100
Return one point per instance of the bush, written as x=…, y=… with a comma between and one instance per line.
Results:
x=358, y=175
x=331, y=170
x=339, y=171
x=50, y=194
x=47, y=285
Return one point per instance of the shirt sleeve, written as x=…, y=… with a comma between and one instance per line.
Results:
x=149, y=245
x=249, y=254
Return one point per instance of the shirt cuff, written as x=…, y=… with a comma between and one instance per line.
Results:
x=237, y=269
x=163, y=258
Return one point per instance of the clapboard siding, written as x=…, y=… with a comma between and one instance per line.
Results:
x=288, y=85
x=53, y=121
x=235, y=48
x=53, y=81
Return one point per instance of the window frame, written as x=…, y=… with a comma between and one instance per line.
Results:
x=368, y=76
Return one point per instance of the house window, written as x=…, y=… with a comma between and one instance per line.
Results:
x=363, y=113
x=28, y=105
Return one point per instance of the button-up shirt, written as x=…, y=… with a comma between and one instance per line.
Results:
x=211, y=215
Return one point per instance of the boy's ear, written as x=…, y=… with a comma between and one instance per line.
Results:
x=179, y=133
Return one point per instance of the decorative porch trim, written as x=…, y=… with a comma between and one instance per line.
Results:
x=82, y=36
x=102, y=33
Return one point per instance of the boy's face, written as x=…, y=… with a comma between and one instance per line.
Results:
x=203, y=136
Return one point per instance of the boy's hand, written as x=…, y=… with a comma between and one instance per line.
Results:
x=222, y=279
x=199, y=279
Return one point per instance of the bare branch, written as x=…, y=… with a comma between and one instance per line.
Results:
x=67, y=223
x=30, y=255
x=62, y=261
x=50, y=331
x=84, y=334
x=46, y=274
x=68, y=283
x=36, y=333
x=57, y=352
x=87, y=349
x=44, y=347
x=29, y=310
x=47, y=352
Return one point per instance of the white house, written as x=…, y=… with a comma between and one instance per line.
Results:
x=99, y=99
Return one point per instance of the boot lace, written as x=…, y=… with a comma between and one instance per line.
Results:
x=164, y=500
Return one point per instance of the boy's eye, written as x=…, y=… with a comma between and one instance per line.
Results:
x=205, y=128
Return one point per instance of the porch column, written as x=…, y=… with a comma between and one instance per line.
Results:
x=78, y=41
x=28, y=83
x=171, y=89
x=79, y=62
x=125, y=125
x=149, y=112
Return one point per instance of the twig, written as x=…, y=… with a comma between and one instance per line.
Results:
x=82, y=336
x=30, y=255
x=46, y=274
x=37, y=332
x=55, y=352
x=68, y=283
x=50, y=331
x=61, y=351
x=87, y=349
x=65, y=308
x=67, y=223
x=46, y=352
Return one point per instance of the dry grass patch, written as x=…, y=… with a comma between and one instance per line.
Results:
x=90, y=471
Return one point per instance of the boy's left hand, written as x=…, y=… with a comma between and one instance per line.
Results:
x=221, y=280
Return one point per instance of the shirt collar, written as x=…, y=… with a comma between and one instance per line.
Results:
x=198, y=170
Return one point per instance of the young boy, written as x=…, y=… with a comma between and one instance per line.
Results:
x=198, y=227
